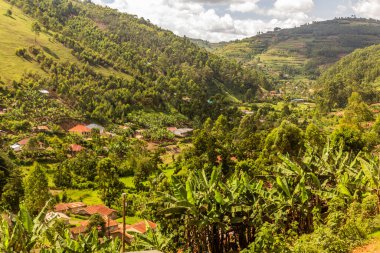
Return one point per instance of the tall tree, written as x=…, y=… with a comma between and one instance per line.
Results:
x=108, y=182
x=36, y=189
x=36, y=28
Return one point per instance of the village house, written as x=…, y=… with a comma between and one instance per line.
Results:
x=119, y=234
x=42, y=129
x=74, y=207
x=183, y=132
x=141, y=227
x=19, y=145
x=81, y=130
x=76, y=231
x=96, y=126
x=100, y=209
x=57, y=215
x=75, y=148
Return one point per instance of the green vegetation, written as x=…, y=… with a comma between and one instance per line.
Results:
x=93, y=117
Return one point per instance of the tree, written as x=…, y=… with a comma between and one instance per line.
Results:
x=13, y=192
x=357, y=110
x=287, y=138
x=36, y=189
x=97, y=222
x=8, y=13
x=36, y=28
x=108, y=182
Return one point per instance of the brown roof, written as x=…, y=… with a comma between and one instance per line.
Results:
x=43, y=128
x=24, y=141
x=80, y=129
x=67, y=206
x=120, y=230
x=76, y=148
x=78, y=230
x=141, y=226
x=99, y=209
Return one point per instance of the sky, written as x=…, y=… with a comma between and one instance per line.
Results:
x=226, y=20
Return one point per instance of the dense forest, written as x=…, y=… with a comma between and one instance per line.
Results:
x=105, y=103
x=357, y=72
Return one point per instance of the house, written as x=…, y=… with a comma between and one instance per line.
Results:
x=74, y=207
x=96, y=126
x=247, y=112
x=183, y=132
x=42, y=129
x=171, y=129
x=19, y=145
x=76, y=231
x=100, y=209
x=81, y=130
x=141, y=227
x=119, y=234
x=57, y=215
x=75, y=148
x=16, y=147
x=45, y=92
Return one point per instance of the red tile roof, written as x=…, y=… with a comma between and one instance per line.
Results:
x=67, y=206
x=99, y=209
x=141, y=226
x=80, y=129
x=24, y=141
x=78, y=230
x=76, y=148
x=120, y=230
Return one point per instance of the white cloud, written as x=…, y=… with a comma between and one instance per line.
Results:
x=367, y=8
x=245, y=7
x=196, y=19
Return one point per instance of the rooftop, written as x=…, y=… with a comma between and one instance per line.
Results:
x=80, y=129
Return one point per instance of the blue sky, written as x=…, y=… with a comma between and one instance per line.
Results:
x=225, y=20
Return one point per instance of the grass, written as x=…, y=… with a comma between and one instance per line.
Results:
x=87, y=196
x=128, y=181
x=15, y=32
x=129, y=219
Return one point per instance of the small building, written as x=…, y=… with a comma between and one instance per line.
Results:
x=75, y=148
x=76, y=231
x=183, y=132
x=19, y=145
x=141, y=227
x=57, y=215
x=42, y=129
x=110, y=225
x=96, y=126
x=45, y=92
x=73, y=207
x=81, y=130
x=100, y=209
x=119, y=234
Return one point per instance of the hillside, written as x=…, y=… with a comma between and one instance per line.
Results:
x=302, y=52
x=358, y=71
x=104, y=65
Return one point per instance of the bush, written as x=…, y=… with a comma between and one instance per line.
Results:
x=21, y=52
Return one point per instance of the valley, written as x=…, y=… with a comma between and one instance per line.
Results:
x=265, y=144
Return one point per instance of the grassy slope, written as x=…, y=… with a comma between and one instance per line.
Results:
x=15, y=32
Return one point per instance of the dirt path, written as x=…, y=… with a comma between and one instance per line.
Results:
x=372, y=247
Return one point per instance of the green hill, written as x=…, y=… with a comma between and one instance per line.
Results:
x=103, y=65
x=358, y=71
x=303, y=51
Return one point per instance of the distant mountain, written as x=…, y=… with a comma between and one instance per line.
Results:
x=302, y=51
x=358, y=71
x=103, y=64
